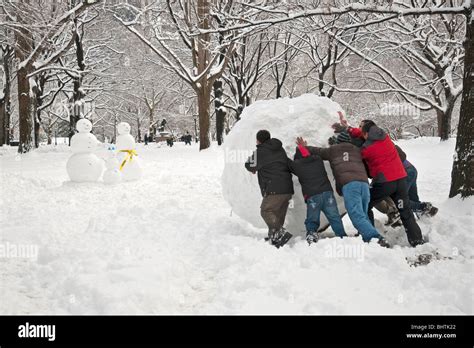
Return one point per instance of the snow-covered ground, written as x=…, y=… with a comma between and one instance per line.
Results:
x=170, y=244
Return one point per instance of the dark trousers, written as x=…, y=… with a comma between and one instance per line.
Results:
x=415, y=203
x=398, y=191
x=273, y=210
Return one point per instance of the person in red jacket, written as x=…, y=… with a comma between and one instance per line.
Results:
x=389, y=176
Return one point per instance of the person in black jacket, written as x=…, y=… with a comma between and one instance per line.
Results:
x=317, y=193
x=271, y=164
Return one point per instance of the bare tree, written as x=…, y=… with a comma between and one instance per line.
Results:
x=41, y=30
x=248, y=65
x=429, y=49
x=206, y=65
x=282, y=42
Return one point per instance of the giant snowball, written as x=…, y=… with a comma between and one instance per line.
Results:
x=309, y=116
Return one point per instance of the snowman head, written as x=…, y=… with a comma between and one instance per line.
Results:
x=83, y=126
x=123, y=128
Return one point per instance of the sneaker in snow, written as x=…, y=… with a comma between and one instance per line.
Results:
x=275, y=236
x=383, y=243
x=429, y=210
x=392, y=218
x=397, y=223
x=312, y=238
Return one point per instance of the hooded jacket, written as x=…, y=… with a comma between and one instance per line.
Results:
x=403, y=157
x=310, y=172
x=381, y=156
x=271, y=164
x=346, y=163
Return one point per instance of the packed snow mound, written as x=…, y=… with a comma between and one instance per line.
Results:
x=309, y=116
x=100, y=249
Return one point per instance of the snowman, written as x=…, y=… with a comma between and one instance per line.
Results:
x=129, y=163
x=84, y=165
x=112, y=174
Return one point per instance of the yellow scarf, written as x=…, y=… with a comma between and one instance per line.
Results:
x=129, y=157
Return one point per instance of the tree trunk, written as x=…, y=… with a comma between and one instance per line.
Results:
x=36, y=126
x=37, y=91
x=139, y=134
x=462, y=175
x=444, y=123
x=203, y=96
x=278, y=90
x=25, y=111
x=77, y=108
x=203, y=88
x=152, y=125
x=5, y=102
x=220, y=112
x=2, y=121
x=24, y=45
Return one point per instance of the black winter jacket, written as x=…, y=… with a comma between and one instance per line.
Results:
x=271, y=164
x=311, y=173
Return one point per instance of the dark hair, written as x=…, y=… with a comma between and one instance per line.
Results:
x=367, y=125
x=263, y=135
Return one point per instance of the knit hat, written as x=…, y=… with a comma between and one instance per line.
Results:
x=343, y=137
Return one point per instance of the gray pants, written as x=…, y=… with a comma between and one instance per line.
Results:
x=273, y=210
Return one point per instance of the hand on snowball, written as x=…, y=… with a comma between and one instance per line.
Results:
x=342, y=119
x=301, y=141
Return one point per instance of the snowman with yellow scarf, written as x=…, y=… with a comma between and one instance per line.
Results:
x=129, y=164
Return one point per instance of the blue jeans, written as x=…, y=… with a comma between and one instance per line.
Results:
x=415, y=203
x=356, y=199
x=326, y=203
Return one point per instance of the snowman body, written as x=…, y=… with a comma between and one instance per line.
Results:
x=112, y=174
x=129, y=164
x=84, y=165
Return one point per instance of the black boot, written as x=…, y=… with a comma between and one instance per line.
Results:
x=429, y=210
x=383, y=243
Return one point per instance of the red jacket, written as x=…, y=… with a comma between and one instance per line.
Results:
x=381, y=156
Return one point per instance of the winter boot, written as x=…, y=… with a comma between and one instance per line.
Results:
x=383, y=243
x=281, y=237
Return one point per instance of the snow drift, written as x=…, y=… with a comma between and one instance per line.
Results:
x=309, y=116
